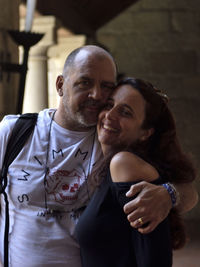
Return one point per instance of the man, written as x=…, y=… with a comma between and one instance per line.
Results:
x=48, y=181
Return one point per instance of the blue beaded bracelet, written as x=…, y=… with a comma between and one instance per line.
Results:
x=172, y=192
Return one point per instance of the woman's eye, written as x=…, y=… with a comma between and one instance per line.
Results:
x=126, y=113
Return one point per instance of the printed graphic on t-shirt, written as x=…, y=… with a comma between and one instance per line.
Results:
x=62, y=186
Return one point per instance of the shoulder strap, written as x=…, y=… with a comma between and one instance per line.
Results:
x=21, y=131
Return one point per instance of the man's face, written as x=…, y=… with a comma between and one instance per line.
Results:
x=86, y=88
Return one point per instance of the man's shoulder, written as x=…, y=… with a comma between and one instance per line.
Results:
x=6, y=127
x=8, y=121
x=45, y=115
x=10, y=117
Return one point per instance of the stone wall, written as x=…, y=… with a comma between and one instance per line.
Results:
x=9, y=19
x=159, y=41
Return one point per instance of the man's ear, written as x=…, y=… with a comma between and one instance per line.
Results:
x=147, y=134
x=59, y=85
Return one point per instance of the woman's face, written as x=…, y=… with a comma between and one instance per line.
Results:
x=120, y=122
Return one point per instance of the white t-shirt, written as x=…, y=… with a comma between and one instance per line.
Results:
x=44, y=209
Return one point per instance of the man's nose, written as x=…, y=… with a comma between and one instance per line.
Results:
x=95, y=93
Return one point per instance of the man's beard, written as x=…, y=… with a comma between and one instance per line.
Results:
x=78, y=120
x=85, y=120
x=81, y=118
x=82, y=121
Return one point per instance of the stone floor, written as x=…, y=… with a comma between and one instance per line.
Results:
x=189, y=256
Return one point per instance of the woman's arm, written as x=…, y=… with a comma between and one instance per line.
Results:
x=154, y=249
x=128, y=167
x=151, y=201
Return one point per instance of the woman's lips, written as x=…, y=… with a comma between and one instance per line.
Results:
x=109, y=128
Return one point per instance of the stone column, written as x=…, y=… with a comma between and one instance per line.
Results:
x=9, y=19
x=36, y=89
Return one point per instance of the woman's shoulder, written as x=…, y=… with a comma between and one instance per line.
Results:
x=126, y=166
x=127, y=157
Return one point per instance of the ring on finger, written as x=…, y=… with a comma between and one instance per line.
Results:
x=140, y=221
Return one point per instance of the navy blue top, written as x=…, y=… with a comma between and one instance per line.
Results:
x=107, y=239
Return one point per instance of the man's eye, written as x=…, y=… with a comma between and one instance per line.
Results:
x=108, y=86
x=84, y=83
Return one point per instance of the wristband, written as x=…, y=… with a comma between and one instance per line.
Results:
x=173, y=193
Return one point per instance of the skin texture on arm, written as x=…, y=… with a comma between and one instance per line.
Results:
x=127, y=167
x=152, y=202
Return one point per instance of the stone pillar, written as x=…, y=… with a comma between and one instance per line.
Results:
x=36, y=89
x=9, y=19
x=36, y=94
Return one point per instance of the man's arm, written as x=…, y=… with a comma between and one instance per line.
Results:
x=153, y=203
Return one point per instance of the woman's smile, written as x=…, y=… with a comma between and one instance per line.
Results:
x=109, y=128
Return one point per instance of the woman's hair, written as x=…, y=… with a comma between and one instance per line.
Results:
x=162, y=149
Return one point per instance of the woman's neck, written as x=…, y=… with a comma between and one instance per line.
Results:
x=105, y=149
x=109, y=149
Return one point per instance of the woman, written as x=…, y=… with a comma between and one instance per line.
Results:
x=138, y=138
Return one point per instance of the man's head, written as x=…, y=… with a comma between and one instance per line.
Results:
x=88, y=80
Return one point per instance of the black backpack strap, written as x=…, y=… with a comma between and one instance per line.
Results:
x=21, y=131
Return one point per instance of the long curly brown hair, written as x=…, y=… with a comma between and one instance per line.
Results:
x=162, y=149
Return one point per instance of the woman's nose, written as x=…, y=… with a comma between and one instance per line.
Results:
x=111, y=114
